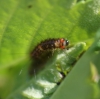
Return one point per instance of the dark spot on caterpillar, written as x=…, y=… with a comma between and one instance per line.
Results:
x=29, y=6
x=44, y=50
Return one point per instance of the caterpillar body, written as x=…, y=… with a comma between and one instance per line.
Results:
x=49, y=45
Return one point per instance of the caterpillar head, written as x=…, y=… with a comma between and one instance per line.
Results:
x=61, y=43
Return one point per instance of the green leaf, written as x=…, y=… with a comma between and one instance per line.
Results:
x=45, y=83
x=84, y=84
x=28, y=26
x=25, y=23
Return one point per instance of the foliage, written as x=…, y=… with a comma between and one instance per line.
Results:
x=25, y=23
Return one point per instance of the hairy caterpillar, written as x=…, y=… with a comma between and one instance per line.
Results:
x=49, y=45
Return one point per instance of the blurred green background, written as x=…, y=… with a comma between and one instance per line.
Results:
x=24, y=24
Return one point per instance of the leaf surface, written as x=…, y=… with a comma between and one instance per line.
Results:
x=25, y=23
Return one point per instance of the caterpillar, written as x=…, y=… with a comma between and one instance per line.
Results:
x=49, y=45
